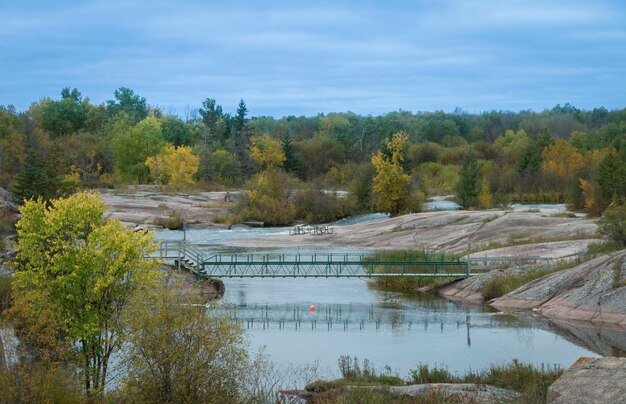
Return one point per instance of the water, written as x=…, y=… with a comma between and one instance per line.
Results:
x=352, y=317
x=441, y=203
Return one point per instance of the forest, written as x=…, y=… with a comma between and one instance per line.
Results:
x=389, y=163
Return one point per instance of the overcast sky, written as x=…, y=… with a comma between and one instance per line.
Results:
x=302, y=58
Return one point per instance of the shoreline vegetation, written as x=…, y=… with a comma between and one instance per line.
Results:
x=362, y=382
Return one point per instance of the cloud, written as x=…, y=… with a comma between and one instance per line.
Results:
x=285, y=58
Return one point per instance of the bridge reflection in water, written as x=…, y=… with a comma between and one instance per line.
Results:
x=339, y=317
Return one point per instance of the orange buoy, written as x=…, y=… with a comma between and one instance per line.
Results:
x=312, y=308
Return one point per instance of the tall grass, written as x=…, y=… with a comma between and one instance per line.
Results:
x=502, y=284
x=408, y=284
x=530, y=380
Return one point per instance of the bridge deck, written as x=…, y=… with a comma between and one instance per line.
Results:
x=315, y=265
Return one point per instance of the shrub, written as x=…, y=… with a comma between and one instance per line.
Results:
x=180, y=352
x=613, y=223
x=268, y=198
x=174, y=222
x=316, y=206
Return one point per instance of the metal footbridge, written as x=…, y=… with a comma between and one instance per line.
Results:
x=314, y=265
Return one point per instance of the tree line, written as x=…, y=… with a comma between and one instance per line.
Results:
x=388, y=162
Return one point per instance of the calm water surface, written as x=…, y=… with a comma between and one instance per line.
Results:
x=351, y=317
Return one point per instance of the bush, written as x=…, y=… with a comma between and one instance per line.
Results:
x=268, y=198
x=178, y=352
x=316, y=206
x=613, y=223
x=39, y=383
x=174, y=222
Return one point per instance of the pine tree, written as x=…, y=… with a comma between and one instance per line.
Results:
x=292, y=160
x=241, y=139
x=467, y=189
x=31, y=181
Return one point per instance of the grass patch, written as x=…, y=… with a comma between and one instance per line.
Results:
x=406, y=284
x=503, y=284
x=603, y=248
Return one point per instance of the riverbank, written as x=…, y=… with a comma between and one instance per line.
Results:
x=597, y=380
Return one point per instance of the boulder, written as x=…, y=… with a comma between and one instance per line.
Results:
x=591, y=380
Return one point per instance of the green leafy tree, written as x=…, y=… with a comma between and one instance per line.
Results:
x=65, y=116
x=133, y=147
x=211, y=112
x=82, y=269
x=467, y=189
x=128, y=102
x=175, y=131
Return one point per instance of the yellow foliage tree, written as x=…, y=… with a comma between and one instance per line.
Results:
x=391, y=184
x=266, y=151
x=174, y=166
x=562, y=160
x=485, y=198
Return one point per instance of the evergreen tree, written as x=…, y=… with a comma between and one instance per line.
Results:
x=292, y=160
x=240, y=118
x=612, y=176
x=241, y=139
x=31, y=180
x=468, y=189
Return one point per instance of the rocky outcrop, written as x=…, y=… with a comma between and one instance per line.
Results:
x=7, y=201
x=591, y=380
x=593, y=292
x=458, y=392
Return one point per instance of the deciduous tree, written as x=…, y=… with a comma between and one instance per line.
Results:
x=74, y=263
x=174, y=166
x=391, y=183
x=266, y=151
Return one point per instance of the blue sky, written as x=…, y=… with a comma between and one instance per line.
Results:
x=289, y=57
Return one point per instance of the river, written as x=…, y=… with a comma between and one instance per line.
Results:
x=313, y=321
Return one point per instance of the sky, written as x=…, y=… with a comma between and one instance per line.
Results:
x=310, y=57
